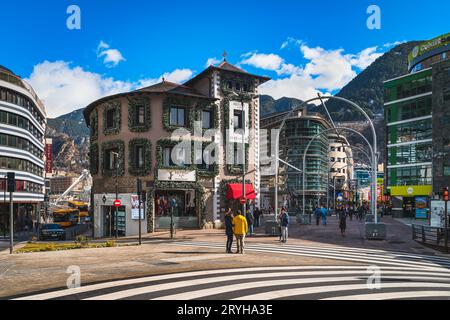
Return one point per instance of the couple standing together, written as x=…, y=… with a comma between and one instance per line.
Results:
x=236, y=226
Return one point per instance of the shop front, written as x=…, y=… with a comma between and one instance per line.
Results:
x=411, y=201
x=235, y=194
x=178, y=205
x=110, y=221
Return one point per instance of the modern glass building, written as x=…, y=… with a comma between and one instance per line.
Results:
x=22, y=128
x=299, y=129
x=417, y=108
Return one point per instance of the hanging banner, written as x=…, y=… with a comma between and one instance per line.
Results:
x=48, y=156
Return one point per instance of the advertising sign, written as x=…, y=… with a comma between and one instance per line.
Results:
x=135, y=208
x=48, y=156
x=437, y=218
x=421, y=208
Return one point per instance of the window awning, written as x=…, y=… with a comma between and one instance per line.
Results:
x=235, y=191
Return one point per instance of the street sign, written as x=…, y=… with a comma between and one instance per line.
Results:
x=117, y=203
x=104, y=199
x=243, y=200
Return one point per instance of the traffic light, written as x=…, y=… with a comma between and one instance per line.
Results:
x=11, y=182
x=445, y=193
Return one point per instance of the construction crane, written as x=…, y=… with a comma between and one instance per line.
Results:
x=84, y=175
x=73, y=212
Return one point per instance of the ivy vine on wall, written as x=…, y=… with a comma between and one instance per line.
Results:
x=186, y=103
x=94, y=125
x=146, y=169
x=115, y=129
x=93, y=158
x=120, y=146
x=132, y=105
x=236, y=168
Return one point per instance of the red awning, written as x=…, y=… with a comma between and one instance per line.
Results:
x=235, y=191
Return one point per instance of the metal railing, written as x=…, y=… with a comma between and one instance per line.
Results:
x=431, y=236
x=78, y=230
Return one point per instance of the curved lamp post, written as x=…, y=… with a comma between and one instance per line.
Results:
x=309, y=145
x=373, y=146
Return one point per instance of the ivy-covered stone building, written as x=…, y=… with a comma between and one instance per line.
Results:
x=132, y=136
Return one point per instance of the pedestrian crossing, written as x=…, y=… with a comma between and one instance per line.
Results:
x=350, y=254
x=269, y=283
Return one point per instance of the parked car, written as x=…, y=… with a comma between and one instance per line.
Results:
x=52, y=231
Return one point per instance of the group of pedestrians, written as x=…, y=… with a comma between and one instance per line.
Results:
x=239, y=226
x=321, y=213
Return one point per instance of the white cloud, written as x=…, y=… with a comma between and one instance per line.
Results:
x=212, y=62
x=291, y=41
x=65, y=88
x=111, y=57
x=263, y=61
x=393, y=44
x=365, y=58
x=176, y=76
x=325, y=71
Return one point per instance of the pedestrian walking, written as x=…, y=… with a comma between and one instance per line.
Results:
x=279, y=224
x=343, y=222
x=257, y=217
x=318, y=214
x=324, y=215
x=360, y=213
x=351, y=212
x=229, y=229
x=284, y=226
x=250, y=220
x=240, y=228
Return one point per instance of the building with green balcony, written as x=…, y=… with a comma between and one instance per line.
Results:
x=417, y=107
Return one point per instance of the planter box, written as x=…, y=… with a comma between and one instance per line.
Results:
x=375, y=231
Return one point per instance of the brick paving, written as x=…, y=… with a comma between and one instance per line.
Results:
x=25, y=273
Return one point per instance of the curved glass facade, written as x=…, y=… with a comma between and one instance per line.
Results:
x=22, y=127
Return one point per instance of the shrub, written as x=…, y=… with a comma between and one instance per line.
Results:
x=50, y=247
x=110, y=244
x=82, y=240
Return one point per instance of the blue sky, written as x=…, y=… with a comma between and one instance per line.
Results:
x=146, y=39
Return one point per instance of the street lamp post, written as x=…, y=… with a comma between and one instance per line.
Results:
x=116, y=225
x=309, y=145
x=373, y=146
x=244, y=204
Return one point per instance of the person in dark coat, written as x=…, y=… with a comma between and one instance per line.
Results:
x=229, y=229
x=318, y=214
x=250, y=220
x=257, y=217
x=343, y=222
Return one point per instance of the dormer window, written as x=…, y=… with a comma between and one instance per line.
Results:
x=230, y=85
x=238, y=86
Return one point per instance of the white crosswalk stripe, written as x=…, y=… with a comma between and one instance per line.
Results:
x=266, y=283
x=367, y=256
x=403, y=276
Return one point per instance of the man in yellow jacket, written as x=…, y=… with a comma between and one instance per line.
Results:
x=240, y=228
